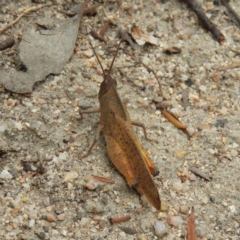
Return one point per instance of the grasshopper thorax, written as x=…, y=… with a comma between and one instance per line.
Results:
x=107, y=84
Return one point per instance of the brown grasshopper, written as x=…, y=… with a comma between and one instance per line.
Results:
x=123, y=148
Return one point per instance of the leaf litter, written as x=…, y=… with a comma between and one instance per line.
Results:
x=42, y=53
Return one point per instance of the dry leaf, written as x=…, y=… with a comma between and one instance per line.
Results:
x=172, y=119
x=191, y=227
x=42, y=52
x=175, y=121
x=141, y=38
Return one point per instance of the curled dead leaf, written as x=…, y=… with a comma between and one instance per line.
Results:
x=142, y=38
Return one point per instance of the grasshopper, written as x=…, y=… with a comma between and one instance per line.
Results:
x=123, y=147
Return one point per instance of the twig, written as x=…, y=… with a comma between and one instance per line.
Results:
x=231, y=66
x=97, y=36
x=32, y=9
x=104, y=28
x=199, y=173
x=207, y=23
x=120, y=219
x=233, y=15
x=104, y=179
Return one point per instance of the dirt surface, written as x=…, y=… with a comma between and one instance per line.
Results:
x=45, y=188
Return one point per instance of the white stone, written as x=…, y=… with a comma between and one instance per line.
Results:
x=5, y=175
x=160, y=228
x=203, y=88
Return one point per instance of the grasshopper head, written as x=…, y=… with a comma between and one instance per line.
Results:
x=107, y=84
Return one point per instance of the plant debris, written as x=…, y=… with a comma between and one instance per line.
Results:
x=56, y=48
x=191, y=226
x=142, y=38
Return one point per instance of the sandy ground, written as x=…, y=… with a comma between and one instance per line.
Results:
x=37, y=131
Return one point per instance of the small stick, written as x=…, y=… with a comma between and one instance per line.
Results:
x=207, y=23
x=104, y=28
x=97, y=36
x=199, y=173
x=104, y=179
x=231, y=66
x=32, y=9
x=120, y=219
x=233, y=15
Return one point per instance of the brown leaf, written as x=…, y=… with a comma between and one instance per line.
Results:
x=104, y=179
x=172, y=119
x=175, y=121
x=141, y=38
x=191, y=227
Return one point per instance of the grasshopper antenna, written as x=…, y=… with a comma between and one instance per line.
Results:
x=97, y=59
x=123, y=36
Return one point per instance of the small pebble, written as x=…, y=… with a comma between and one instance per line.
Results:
x=97, y=218
x=88, y=53
x=176, y=221
x=61, y=217
x=184, y=209
x=201, y=231
x=25, y=199
x=178, y=186
x=128, y=230
x=102, y=224
x=84, y=221
x=69, y=176
x=160, y=228
x=92, y=184
x=205, y=200
x=234, y=153
x=5, y=175
x=164, y=206
x=180, y=154
x=31, y=223
x=192, y=177
x=203, y=88
x=49, y=218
